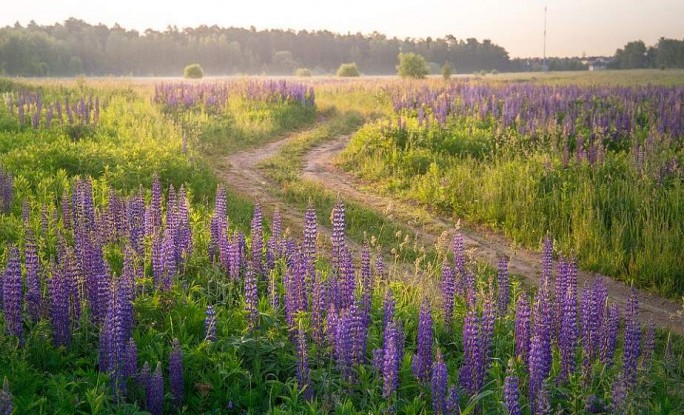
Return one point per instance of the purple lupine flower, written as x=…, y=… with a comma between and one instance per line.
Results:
x=619, y=396
x=609, y=333
x=142, y=379
x=34, y=292
x=338, y=230
x=393, y=344
x=59, y=308
x=471, y=351
x=176, y=373
x=6, y=190
x=448, y=291
x=511, y=392
x=568, y=334
x=12, y=293
x=310, y=235
x=632, y=340
x=344, y=343
x=6, y=406
x=460, y=263
x=155, y=392
x=318, y=308
x=542, y=402
x=422, y=360
x=251, y=299
x=503, y=286
x=540, y=346
x=452, y=405
x=154, y=222
x=486, y=337
x=303, y=374
x=380, y=271
x=439, y=385
x=347, y=282
x=210, y=324
x=130, y=366
x=649, y=344
x=522, y=329
x=359, y=331
x=257, y=241
x=367, y=284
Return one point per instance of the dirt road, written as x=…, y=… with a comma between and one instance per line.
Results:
x=486, y=246
x=240, y=171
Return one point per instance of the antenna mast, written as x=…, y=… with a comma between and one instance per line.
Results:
x=545, y=67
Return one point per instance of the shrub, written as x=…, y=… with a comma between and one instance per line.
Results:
x=412, y=66
x=446, y=71
x=303, y=72
x=348, y=69
x=193, y=71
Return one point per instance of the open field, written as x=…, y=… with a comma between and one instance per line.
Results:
x=287, y=246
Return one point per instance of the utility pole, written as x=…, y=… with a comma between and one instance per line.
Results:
x=545, y=66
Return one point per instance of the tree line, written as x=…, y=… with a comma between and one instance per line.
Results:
x=667, y=53
x=76, y=47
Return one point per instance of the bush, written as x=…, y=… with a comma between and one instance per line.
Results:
x=412, y=66
x=193, y=71
x=348, y=69
x=303, y=72
x=446, y=71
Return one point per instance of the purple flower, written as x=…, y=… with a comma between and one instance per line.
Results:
x=6, y=405
x=210, y=324
x=471, y=353
x=257, y=241
x=143, y=379
x=130, y=367
x=59, y=308
x=12, y=293
x=568, y=334
x=503, y=286
x=310, y=234
x=547, y=261
x=176, y=373
x=393, y=345
x=632, y=340
x=34, y=292
x=540, y=346
x=609, y=333
x=318, y=308
x=303, y=374
x=448, y=291
x=439, y=385
x=522, y=328
x=649, y=344
x=511, y=392
x=251, y=299
x=452, y=404
x=155, y=392
x=422, y=360
x=338, y=226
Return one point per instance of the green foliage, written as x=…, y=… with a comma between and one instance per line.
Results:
x=193, y=71
x=348, y=70
x=412, y=65
x=303, y=72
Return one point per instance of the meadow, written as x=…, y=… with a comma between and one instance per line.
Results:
x=136, y=280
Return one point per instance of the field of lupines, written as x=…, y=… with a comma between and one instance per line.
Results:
x=599, y=167
x=125, y=292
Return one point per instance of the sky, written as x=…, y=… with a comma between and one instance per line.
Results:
x=574, y=27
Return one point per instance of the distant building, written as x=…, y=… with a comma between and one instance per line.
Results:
x=597, y=63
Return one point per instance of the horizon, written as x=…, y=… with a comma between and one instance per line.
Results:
x=574, y=28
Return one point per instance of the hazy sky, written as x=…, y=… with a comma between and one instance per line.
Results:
x=596, y=27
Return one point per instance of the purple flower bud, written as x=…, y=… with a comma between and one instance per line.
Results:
x=130, y=368
x=176, y=373
x=251, y=299
x=155, y=392
x=303, y=374
x=522, y=328
x=439, y=385
x=422, y=360
x=210, y=324
x=511, y=392
x=503, y=286
x=12, y=293
x=448, y=291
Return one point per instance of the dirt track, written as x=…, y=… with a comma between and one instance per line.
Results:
x=320, y=166
x=240, y=171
